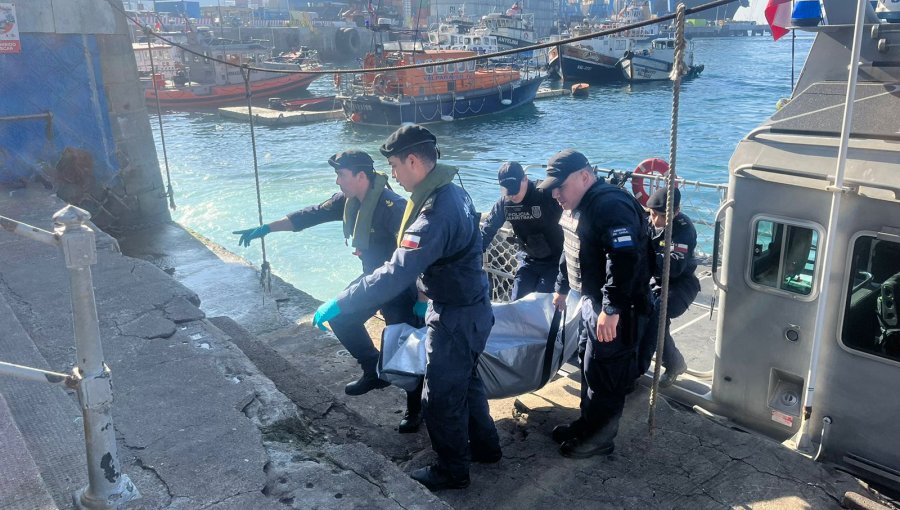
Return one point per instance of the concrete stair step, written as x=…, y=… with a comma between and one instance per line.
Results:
x=48, y=420
x=21, y=484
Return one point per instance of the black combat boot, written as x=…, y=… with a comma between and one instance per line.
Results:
x=368, y=382
x=588, y=444
x=412, y=418
x=434, y=478
x=563, y=433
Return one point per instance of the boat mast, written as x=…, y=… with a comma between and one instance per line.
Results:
x=837, y=193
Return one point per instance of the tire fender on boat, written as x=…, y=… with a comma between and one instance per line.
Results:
x=348, y=40
x=650, y=166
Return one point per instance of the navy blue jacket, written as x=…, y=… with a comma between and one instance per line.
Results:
x=684, y=241
x=535, y=221
x=386, y=220
x=614, y=245
x=441, y=250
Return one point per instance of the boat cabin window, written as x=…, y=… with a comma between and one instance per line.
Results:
x=429, y=69
x=470, y=65
x=784, y=256
x=870, y=314
x=439, y=69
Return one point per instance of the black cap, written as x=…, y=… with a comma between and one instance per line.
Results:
x=510, y=175
x=352, y=159
x=563, y=164
x=657, y=200
x=406, y=137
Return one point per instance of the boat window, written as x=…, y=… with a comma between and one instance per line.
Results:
x=470, y=65
x=439, y=69
x=477, y=40
x=460, y=67
x=784, y=256
x=870, y=314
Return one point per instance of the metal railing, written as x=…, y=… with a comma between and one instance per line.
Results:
x=107, y=486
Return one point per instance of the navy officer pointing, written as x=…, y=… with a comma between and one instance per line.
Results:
x=440, y=247
x=371, y=213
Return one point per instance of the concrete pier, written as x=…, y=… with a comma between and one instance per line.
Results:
x=226, y=397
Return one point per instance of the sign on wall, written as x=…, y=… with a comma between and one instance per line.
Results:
x=9, y=30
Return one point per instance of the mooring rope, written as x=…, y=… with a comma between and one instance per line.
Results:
x=162, y=133
x=677, y=71
x=265, y=270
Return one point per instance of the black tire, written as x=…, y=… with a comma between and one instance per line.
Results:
x=347, y=40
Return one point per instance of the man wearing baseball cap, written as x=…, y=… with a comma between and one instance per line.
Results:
x=440, y=250
x=683, y=283
x=606, y=243
x=534, y=216
x=371, y=213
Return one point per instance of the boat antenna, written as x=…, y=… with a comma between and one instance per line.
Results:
x=793, y=43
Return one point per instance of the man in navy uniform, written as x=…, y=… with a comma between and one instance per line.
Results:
x=534, y=216
x=440, y=247
x=606, y=243
x=683, y=283
x=371, y=213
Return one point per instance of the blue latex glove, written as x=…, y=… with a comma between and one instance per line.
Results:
x=329, y=310
x=251, y=234
x=420, y=308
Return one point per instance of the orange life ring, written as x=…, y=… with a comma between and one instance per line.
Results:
x=355, y=117
x=649, y=166
x=337, y=79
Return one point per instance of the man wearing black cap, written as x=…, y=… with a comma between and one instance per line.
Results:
x=534, y=216
x=683, y=283
x=371, y=213
x=440, y=249
x=606, y=243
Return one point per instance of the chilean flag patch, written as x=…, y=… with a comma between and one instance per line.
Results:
x=681, y=248
x=410, y=241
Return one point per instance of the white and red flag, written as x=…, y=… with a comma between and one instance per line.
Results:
x=778, y=14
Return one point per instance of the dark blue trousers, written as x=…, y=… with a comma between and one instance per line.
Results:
x=681, y=294
x=350, y=329
x=533, y=276
x=608, y=369
x=455, y=404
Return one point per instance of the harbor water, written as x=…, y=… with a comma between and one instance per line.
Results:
x=617, y=126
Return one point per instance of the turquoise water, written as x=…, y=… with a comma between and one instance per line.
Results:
x=211, y=160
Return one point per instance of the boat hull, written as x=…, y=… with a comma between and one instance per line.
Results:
x=640, y=68
x=573, y=69
x=385, y=111
x=215, y=96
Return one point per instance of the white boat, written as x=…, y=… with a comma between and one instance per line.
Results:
x=655, y=63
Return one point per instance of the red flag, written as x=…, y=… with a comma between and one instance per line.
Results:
x=778, y=14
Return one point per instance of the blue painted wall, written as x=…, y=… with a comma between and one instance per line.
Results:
x=60, y=74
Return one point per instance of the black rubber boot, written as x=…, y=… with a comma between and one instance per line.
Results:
x=368, y=382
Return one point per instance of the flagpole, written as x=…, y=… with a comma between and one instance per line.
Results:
x=837, y=191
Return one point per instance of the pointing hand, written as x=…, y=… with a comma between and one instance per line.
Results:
x=251, y=234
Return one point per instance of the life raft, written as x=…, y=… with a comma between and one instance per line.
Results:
x=641, y=189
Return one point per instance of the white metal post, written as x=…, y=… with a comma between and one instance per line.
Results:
x=108, y=487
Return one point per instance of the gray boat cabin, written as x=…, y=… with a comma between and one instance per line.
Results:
x=810, y=361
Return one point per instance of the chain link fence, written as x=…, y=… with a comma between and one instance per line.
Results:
x=699, y=201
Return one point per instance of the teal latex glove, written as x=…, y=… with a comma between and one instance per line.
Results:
x=329, y=310
x=251, y=234
x=420, y=308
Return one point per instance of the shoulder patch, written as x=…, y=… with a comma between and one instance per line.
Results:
x=389, y=203
x=621, y=237
x=429, y=204
x=410, y=241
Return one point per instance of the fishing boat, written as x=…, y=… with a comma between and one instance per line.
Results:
x=655, y=63
x=215, y=78
x=513, y=29
x=598, y=60
x=436, y=93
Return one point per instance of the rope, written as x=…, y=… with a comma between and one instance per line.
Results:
x=162, y=132
x=583, y=37
x=265, y=270
x=677, y=71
